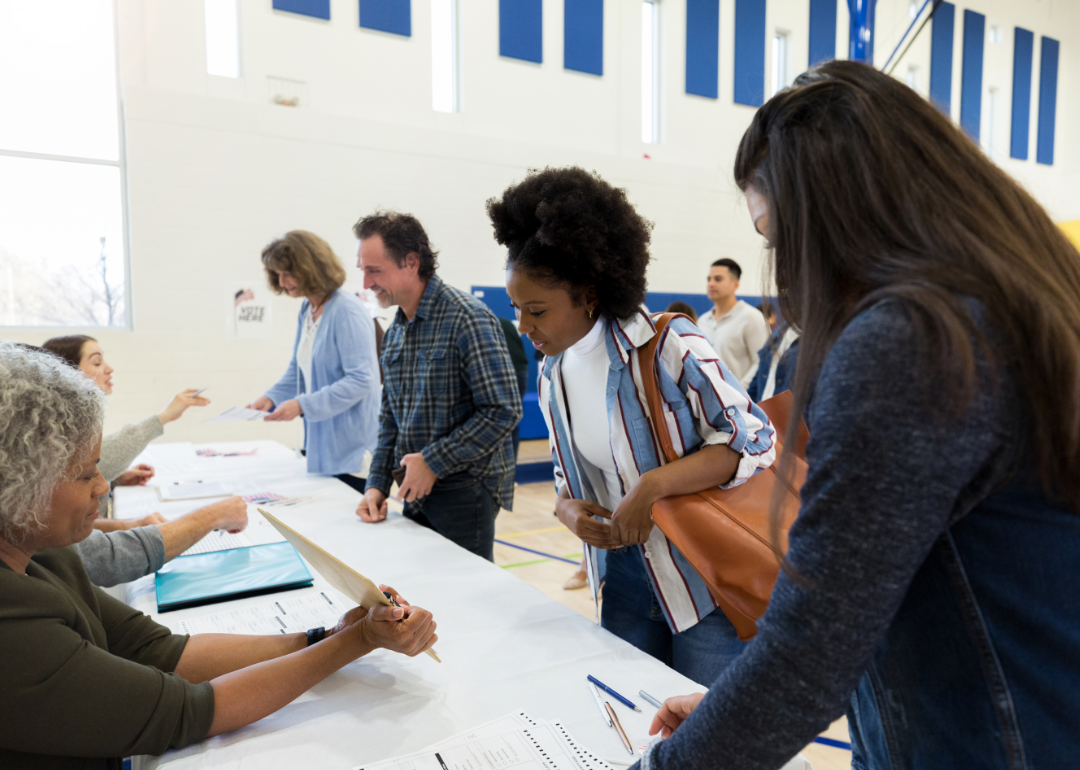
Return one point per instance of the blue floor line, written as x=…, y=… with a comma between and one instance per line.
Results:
x=834, y=743
x=538, y=553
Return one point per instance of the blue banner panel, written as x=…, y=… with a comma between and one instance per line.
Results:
x=1023, y=49
x=750, y=52
x=394, y=16
x=703, y=47
x=822, y=31
x=583, y=36
x=971, y=73
x=521, y=30
x=941, y=56
x=1048, y=73
x=319, y=9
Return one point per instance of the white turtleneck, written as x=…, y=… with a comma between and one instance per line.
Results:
x=584, y=371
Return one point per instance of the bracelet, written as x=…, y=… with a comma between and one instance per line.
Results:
x=315, y=635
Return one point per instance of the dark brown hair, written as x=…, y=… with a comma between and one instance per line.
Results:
x=68, y=348
x=872, y=194
x=682, y=307
x=308, y=258
x=731, y=265
x=402, y=235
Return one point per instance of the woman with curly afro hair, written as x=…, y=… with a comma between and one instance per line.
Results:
x=575, y=271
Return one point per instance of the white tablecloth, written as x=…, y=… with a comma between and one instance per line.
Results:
x=503, y=643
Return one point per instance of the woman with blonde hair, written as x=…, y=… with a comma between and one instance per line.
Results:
x=333, y=378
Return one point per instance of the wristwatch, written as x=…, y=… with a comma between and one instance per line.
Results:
x=315, y=635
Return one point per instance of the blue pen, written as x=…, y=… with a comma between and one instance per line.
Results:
x=611, y=692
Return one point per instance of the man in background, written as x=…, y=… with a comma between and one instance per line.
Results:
x=450, y=399
x=736, y=329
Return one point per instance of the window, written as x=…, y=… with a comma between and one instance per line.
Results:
x=779, y=62
x=650, y=72
x=445, y=93
x=62, y=218
x=222, y=38
x=912, y=78
x=991, y=123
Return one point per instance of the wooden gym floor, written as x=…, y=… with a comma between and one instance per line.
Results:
x=532, y=544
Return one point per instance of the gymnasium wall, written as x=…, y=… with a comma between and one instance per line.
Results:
x=216, y=169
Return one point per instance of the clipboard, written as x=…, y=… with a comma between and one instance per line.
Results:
x=338, y=574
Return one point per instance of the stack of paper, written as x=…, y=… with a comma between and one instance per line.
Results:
x=514, y=741
x=284, y=616
x=238, y=414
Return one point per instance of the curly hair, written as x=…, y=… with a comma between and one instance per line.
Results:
x=570, y=227
x=49, y=412
x=310, y=260
x=402, y=234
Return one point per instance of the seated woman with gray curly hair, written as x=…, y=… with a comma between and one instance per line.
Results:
x=84, y=679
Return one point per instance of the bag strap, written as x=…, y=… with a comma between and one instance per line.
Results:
x=647, y=360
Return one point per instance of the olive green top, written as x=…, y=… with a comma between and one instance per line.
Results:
x=86, y=680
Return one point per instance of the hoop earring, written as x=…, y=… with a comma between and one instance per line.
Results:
x=591, y=312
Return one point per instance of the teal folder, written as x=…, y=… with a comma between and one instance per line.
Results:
x=190, y=581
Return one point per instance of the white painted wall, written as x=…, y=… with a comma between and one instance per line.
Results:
x=216, y=170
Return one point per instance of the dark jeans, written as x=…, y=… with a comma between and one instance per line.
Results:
x=355, y=482
x=632, y=612
x=461, y=509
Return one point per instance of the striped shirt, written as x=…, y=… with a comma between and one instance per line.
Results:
x=704, y=404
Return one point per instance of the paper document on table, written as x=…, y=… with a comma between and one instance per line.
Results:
x=284, y=616
x=192, y=490
x=219, y=541
x=336, y=572
x=238, y=414
x=513, y=741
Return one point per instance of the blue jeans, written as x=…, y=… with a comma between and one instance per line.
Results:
x=461, y=509
x=632, y=612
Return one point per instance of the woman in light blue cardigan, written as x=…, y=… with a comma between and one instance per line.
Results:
x=333, y=378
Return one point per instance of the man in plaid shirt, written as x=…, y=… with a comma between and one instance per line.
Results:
x=450, y=397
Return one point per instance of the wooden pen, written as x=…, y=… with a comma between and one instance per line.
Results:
x=618, y=727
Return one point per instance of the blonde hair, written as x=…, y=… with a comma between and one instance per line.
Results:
x=308, y=258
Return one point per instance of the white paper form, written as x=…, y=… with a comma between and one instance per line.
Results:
x=238, y=414
x=219, y=541
x=283, y=616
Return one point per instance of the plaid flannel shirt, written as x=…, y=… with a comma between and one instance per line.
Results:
x=449, y=392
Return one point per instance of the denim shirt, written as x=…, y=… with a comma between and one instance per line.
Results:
x=939, y=598
x=341, y=404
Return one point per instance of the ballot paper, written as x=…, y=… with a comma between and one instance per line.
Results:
x=283, y=616
x=338, y=574
x=238, y=414
x=513, y=741
x=192, y=490
x=219, y=540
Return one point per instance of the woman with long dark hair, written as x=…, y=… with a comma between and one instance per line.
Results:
x=930, y=586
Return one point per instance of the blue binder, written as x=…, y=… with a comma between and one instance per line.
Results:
x=206, y=578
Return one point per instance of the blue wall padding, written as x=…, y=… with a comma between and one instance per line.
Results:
x=532, y=419
x=1048, y=73
x=393, y=16
x=319, y=9
x=971, y=73
x=749, y=69
x=822, y=31
x=1023, y=50
x=521, y=29
x=583, y=36
x=703, y=47
x=941, y=57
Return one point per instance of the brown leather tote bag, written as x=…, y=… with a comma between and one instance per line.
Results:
x=724, y=533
